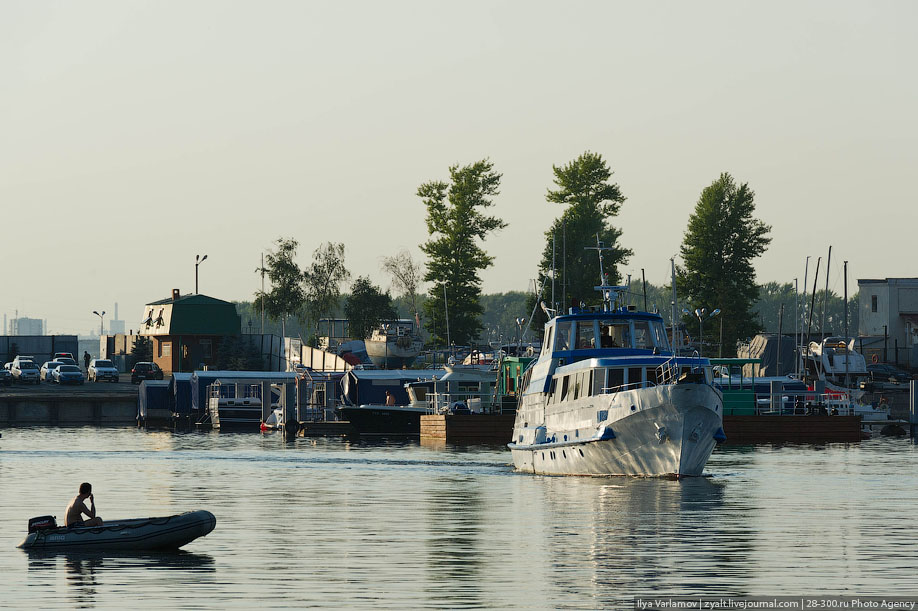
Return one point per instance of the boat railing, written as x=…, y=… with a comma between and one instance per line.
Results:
x=438, y=401
x=668, y=372
x=611, y=390
x=804, y=402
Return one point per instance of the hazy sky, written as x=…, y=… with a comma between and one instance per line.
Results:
x=135, y=135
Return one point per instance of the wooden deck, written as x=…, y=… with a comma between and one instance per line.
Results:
x=490, y=428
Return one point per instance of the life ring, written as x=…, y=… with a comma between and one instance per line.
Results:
x=875, y=359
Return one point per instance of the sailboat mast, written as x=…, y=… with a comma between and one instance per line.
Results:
x=825, y=296
x=809, y=324
x=672, y=264
x=848, y=350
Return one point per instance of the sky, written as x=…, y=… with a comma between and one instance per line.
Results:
x=137, y=135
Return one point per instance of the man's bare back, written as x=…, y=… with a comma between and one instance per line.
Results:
x=77, y=508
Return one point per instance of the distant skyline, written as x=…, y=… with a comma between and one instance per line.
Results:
x=136, y=135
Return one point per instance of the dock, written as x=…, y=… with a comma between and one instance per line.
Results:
x=467, y=428
x=93, y=404
x=792, y=429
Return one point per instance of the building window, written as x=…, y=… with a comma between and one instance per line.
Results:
x=207, y=350
x=165, y=349
x=873, y=303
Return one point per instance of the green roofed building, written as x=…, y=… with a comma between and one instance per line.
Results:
x=187, y=330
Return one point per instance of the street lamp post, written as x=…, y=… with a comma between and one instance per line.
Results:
x=198, y=259
x=700, y=314
x=100, y=320
x=385, y=328
x=519, y=334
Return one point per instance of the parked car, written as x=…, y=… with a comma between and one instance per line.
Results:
x=68, y=374
x=58, y=356
x=25, y=372
x=6, y=378
x=145, y=371
x=47, y=367
x=102, y=369
x=883, y=372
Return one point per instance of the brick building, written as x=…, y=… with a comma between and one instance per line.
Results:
x=187, y=330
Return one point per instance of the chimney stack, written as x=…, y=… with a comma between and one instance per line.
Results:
x=176, y=293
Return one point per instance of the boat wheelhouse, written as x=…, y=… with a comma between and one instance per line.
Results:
x=607, y=396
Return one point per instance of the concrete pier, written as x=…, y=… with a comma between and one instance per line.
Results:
x=45, y=404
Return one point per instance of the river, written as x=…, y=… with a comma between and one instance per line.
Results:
x=329, y=523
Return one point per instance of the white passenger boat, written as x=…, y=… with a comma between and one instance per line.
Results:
x=394, y=344
x=607, y=396
x=835, y=361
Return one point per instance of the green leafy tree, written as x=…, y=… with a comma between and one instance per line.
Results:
x=366, y=307
x=583, y=186
x=287, y=295
x=323, y=281
x=456, y=225
x=719, y=245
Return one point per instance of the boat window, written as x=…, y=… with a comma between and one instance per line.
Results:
x=616, y=378
x=551, y=391
x=563, y=340
x=546, y=346
x=654, y=375
x=599, y=381
x=586, y=339
x=635, y=376
x=659, y=334
x=642, y=336
x=564, y=387
x=614, y=334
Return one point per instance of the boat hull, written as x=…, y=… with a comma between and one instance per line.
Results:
x=388, y=355
x=143, y=534
x=670, y=439
x=381, y=420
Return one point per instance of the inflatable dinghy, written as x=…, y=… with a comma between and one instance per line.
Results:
x=141, y=534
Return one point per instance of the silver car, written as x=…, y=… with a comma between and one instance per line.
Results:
x=47, y=368
x=102, y=369
x=25, y=372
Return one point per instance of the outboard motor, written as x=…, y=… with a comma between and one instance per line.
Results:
x=42, y=523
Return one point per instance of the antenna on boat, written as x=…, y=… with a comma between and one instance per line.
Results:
x=609, y=292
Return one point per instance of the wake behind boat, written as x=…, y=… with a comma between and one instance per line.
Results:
x=143, y=534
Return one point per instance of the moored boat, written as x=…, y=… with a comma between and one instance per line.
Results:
x=394, y=344
x=142, y=534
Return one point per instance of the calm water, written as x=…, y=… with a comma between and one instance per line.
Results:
x=324, y=523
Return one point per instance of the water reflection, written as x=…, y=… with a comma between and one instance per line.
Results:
x=454, y=509
x=87, y=573
x=611, y=539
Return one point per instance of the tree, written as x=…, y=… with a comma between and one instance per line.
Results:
x=286, y=296
x=142, y=351
x=456, y=224
x=406, y=276
x=720, y=243
x=323, y=279
x=366, y=307
x=591, y=200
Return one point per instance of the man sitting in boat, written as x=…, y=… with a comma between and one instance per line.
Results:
x=390, y=398
x=77, y=508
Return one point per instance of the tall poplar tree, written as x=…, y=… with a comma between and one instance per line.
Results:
x=591, y=200
x=456, y=226
x=721, y=240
